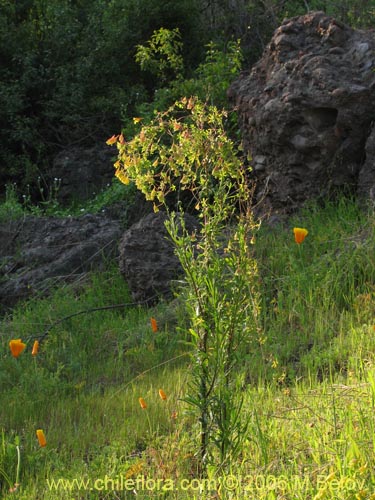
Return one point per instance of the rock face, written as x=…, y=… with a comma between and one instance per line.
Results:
x=306, y=111
x=80, y=172
x=147, y=258
x=39, y=253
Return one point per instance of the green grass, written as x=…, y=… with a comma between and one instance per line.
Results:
x=16, y=205
x=309, y=396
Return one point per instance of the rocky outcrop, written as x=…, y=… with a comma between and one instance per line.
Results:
x=38, y=253
x=147, y=259
x=79, y=173
x=306, y=111
x=366, y=179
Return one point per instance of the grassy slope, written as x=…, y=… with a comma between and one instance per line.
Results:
x=309, y=400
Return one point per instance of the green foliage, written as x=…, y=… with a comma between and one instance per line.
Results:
x=11, y=208
x=210, y=82
x=355, y=13
x=162, y=55
x=69, y=73
x=10, y=461
x=183, y=147
x=219, y=70
x=309, y=408
x=316, y=287
x=187, y=146
x=65, y=66
x=115, y=197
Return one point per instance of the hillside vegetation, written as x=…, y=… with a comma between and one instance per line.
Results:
x=72, y=73
x=308, y=392
x=258, y=379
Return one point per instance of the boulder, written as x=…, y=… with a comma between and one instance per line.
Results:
x=306, y=111
x=147, y=259
x=38, y=253
x=79, y=173
x=366, y=180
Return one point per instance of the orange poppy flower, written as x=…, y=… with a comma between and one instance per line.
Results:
x=41, y=438
x=300, y=234
x=16, y=347
x=143, y=404
x=35, y=350
x=162, y=394
x=154, y=325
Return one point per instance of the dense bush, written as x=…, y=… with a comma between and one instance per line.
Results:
x=68, y=72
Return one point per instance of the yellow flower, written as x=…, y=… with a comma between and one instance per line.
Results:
x=154, y=325
x=121, y=176
x=16, y=347
x=137, y=119
x=112, y=140
x=143, y=404
x=300, y=234
x=35, y=350
x=162, y=394
x=41, y=438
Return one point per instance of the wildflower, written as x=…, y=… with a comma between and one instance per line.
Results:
x=162, y=394
x=121, y=139
x=35, y=350
x=154, y=325
x=143, y=404
x=112, y=140
x=41, y=438
x=300, y=234
x=121, y=176
x=137, y=119
x=174, y=414
x=16, y=347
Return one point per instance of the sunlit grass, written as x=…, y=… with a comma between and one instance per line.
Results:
x=309, y=391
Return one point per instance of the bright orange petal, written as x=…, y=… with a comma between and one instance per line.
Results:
x=16, y=347
x=300, y=234
x=143, y=404
x=162, y=394
x=35, y=350
x=41, y=438
x=154, y=325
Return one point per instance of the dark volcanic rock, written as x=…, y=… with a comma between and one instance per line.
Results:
x=306, y=111
x=366, y=180
x=147, y=258
x=38, y=253
x=81, y=172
